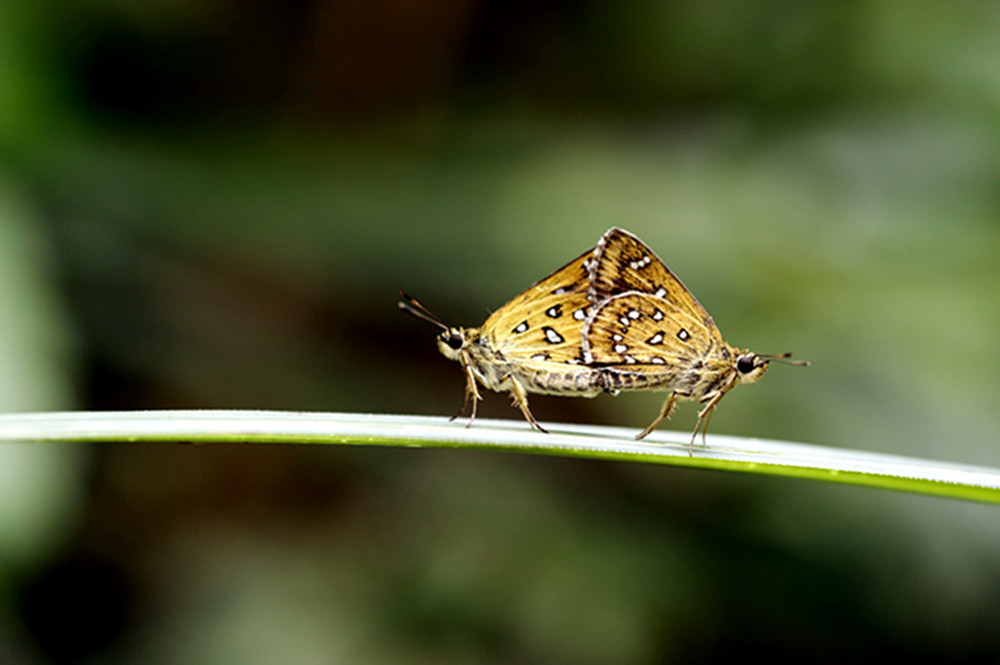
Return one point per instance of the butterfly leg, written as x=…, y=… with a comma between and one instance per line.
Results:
x=520, y=397
x=471, y=394
x=668, y=407
x=704, y=416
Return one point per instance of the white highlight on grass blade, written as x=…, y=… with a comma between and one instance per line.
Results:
x=613, y=443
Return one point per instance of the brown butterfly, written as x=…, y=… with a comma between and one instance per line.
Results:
x=614, y=319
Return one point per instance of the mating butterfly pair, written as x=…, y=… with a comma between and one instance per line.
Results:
x=614, y=319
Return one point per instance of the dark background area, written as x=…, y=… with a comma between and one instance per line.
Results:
x=211, y=204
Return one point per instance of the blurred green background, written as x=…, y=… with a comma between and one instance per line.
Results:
x=211, y=204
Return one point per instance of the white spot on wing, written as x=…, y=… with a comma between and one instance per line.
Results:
x=552, y=336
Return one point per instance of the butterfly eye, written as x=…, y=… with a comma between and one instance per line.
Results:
x=745, y=364
x=453, y=338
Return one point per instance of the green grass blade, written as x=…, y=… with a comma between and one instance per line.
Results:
x=727, y=453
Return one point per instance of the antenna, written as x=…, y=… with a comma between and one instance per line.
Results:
x=411, y=305
x=781, y=358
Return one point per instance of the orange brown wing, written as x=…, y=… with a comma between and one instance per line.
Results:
x=623, y=263
x=636, y=328
x=544, y=323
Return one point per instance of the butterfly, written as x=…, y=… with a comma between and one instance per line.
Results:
x=615, y=319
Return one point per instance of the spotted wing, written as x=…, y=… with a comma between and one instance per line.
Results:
x=634, y=328
x=543, y=324
x=623, y=263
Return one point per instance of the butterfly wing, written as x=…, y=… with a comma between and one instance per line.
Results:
x=623, y=263
x=634, y=328
x=543, y=324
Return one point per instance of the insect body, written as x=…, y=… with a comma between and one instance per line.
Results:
x=615, y=319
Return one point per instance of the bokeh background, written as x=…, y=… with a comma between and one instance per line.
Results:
x=213, y=204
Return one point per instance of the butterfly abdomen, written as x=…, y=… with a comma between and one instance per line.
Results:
x=581, y=382
x=619, y=380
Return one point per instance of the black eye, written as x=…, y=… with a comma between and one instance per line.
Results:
x=745, y=364
x=453, y=339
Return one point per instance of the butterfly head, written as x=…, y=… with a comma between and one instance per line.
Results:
x=452, y=342
x=751, y=366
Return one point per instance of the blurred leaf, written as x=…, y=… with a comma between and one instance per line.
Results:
x=37, y=487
